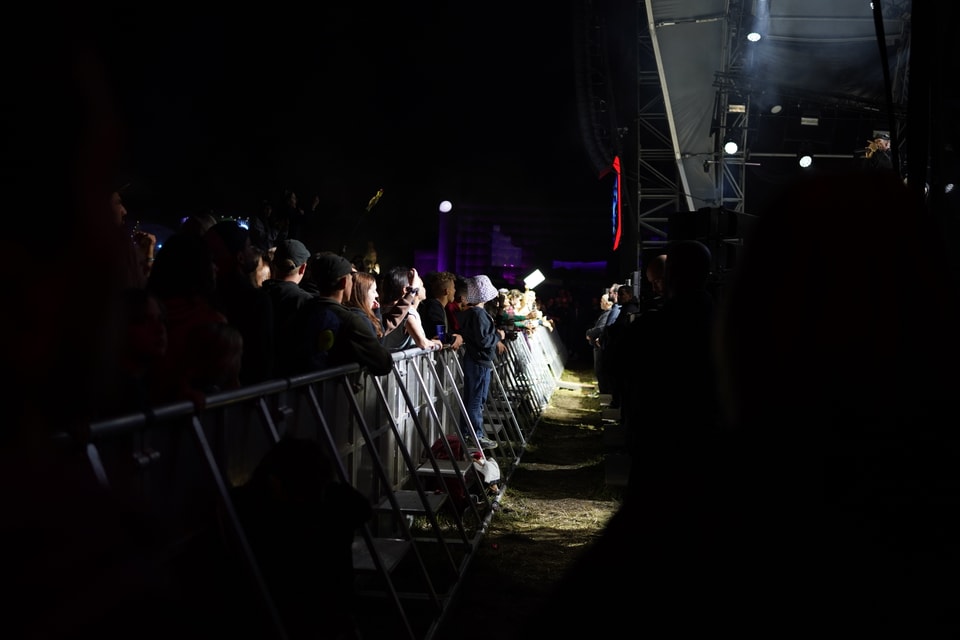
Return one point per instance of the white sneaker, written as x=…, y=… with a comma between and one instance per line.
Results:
x=487, y=443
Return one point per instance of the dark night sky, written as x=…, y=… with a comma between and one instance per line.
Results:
x=474, y=103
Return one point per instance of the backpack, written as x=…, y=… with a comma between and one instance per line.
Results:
x=451, y=486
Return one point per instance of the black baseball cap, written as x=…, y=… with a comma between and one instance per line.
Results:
x=328, y=267
x=292, y=250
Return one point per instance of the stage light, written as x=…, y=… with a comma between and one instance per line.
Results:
x=730, y=147
x=535, y=278
x=805, y=154
x=753, y=36
x=446, y=206
x=775, y=109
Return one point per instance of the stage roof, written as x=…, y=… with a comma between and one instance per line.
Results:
x=815, y=58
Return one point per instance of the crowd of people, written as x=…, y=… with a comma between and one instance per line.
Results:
x=795, y=458
x=795, y=432
x=221, y=305
x=188, y=317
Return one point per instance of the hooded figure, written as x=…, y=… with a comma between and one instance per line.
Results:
x=482, y=344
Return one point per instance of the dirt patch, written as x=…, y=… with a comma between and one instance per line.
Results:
x=555, y=505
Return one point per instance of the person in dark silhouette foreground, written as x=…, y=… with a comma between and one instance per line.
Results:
x=828, y=501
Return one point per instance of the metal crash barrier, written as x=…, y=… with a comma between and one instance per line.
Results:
x=387, y=436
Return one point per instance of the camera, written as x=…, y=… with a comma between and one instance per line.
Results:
x=510, y=335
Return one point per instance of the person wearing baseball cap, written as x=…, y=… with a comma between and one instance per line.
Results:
x=326, y=333
x=482, y=343
x=878, y=153
x=325, y=273
x=288, y=267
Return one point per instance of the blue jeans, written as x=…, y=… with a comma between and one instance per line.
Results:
x=476, y=387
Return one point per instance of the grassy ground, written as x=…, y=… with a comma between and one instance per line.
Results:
x=555, y=504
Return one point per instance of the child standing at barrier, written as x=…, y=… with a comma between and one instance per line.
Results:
x=483, y=343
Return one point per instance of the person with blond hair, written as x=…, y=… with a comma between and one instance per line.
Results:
x=441, y=286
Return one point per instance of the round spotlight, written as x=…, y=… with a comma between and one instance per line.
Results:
x=446, y=206
x=730, y=147
x=776, y=108
x=806, y=160
x=753, y=36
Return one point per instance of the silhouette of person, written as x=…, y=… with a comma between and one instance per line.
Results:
x=593, y=335
x=289, y=269
x=143, y=347
x=654, y=274
x=139, y=246
x=835, y=395
x=301, y=522
x=617, y=359
x=673, y=407
x=829, y=494
x=82, y=561
x=184, y=279
x=247, y=307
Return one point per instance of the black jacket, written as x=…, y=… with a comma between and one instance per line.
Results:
x=328, y=334
x=288, y=297
x=480, y=337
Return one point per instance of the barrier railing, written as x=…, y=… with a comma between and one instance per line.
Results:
x=387, y=436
